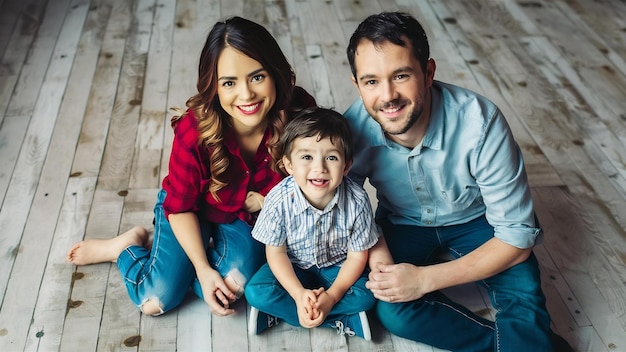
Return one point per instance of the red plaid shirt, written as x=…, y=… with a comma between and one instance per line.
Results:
x=187, y=184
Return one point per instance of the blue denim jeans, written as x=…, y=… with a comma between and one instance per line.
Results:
x=522, y=322
x=265, y=293
x=165, y=273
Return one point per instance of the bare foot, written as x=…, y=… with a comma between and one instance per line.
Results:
x=100, y=251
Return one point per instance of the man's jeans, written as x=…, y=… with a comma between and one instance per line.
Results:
x=265, y=293
x=165, y=273
x=522, y=322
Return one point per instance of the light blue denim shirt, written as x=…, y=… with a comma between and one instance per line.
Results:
x=468, y=164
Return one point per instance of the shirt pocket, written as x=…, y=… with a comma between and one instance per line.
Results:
x=455, y=192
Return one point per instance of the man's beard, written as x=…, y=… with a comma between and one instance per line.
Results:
x=415, y=115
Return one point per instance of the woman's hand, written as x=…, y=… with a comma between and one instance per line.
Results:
x=216, y=293
x=254, y=202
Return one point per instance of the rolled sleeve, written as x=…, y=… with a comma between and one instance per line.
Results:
x=503, y=183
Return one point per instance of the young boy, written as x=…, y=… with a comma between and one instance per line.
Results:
x=317, y=226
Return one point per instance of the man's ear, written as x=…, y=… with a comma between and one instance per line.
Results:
x=287, y=164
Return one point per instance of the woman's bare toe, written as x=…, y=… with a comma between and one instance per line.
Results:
x=94, y=251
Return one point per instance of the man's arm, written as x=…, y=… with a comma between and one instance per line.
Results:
x=406, y=282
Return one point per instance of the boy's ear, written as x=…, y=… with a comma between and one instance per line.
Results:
x=347, y=169
x=287, y=164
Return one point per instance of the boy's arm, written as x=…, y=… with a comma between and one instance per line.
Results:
x=282, y=268
x=380, y=254
x=350, y=271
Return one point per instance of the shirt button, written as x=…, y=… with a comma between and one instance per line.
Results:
x=428, y=211
x=418, y=189
x=428, y=222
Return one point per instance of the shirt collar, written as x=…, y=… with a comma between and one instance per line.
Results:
x=300, y=204
x=230, y=141
x=433, y=139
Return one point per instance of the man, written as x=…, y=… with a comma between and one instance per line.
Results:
x=449, y=177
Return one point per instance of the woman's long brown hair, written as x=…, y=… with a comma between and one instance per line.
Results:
x=254, y=41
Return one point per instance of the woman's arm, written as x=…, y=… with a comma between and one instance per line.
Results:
x=186, y=228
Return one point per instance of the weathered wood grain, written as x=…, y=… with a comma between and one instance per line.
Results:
x=85, y=87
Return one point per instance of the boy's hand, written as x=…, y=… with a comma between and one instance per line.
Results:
x=308, y=314
x=325, y=302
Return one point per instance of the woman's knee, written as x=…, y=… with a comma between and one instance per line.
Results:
x=152, y=306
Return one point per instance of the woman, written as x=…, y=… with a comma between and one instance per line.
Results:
x=222, y=164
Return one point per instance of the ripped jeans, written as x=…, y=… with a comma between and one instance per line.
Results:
x=165, y=273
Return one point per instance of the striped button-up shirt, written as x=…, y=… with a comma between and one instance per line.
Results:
x=312, y=236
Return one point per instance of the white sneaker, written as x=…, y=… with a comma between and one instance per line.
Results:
x=355, y=325
x=259, y=321
x=254, y=314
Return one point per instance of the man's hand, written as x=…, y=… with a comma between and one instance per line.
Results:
x=397, y=282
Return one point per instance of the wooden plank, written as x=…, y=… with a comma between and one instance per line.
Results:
x=145, y=170
x=594, y=37
x=89, y=283
x=102, y=95
x=193, y=21
x=21, y=291
x=319, y=21
x=12, y=133
x=230, y=8
x=117, y=160
x=29, y=19
x=404, y=345
x=283, y=337
x=121, y=326
x=194, y=326
x=591, y=268
x=605, y=18
x=235, y=326
x=321, y=85
x=327, y=339
x=57, y=276
x=607, y=150
x=598, y=82
x=158, y=333
x=357, y=11
x=46, y=325
x=476, y=74
x=296, y=51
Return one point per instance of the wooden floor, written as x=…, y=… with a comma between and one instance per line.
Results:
x=84, y=142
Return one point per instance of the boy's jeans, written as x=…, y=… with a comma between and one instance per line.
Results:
x=522, y=322
x=265, y=293
x=165, y=273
